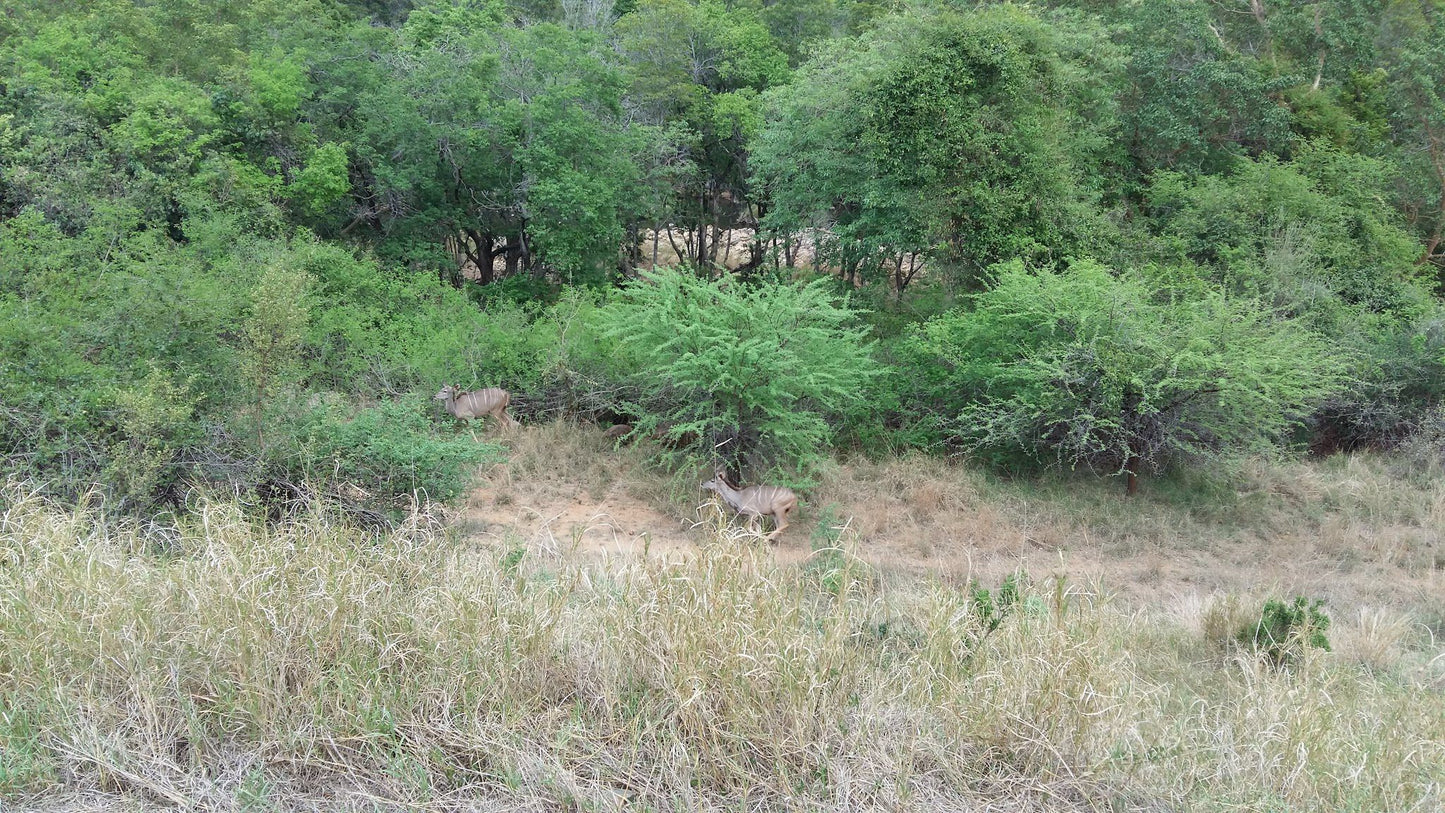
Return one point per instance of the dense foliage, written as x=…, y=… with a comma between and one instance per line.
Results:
x=755, y=373
x=234, y=238
x=1085, y=367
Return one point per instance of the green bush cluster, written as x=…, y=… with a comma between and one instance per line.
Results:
x=756, y=373
x=1118, y=237
x=393, y=451
x=148, y=367
x=1117, y=372
x=1284, y=631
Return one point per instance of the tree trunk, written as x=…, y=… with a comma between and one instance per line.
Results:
x=480, y=252
x=633, y=257
x=680, y=251
x=512, y=250
x=701, y=228
x=1129, y=422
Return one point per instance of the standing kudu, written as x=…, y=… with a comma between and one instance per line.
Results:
x=471, y=405
x=756, y=502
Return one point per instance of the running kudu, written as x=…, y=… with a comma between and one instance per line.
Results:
x=755, y=502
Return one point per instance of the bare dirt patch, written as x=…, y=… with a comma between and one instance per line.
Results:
x=1344, y=530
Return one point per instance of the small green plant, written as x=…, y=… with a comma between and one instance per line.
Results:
x=256, y=793
x=991, y=609
x=828, y=561
x=512, y=561
x=1285, y=630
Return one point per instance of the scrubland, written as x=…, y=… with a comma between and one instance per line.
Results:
x=217, y=662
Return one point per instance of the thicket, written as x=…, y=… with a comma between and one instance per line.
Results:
x=238, y=243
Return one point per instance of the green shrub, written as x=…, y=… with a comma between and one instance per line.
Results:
x=373, y=331
x=1398, y=378
x=155, y=420
x=756, y=373
x=390, y=451
x=1086, y=368
x=1285, y=630
x=272, y=335
x=1326, y=213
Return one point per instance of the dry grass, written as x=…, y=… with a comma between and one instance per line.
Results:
x=554, y=462
x=223, y=665
x=1349, y=530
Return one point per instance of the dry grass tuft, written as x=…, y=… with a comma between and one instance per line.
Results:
x=1375, y=638
x=554, y=462
x=242, y=667
x=1349, y=530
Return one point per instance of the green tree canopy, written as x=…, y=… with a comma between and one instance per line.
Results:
x=966, y=135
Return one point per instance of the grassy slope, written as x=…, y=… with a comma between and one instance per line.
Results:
x=224, y=665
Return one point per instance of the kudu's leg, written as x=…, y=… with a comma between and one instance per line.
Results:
x=780, y=521
x=503, y=419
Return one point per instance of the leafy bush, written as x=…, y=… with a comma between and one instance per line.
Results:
x=1325, y=213
x=374, y=331
x=1398, y=378
x=155, y=420
x=1083, y=367
x=1423, y=450
x=391, y=450
x=755, y=372
x=1285, y=630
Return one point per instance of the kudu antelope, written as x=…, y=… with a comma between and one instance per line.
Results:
x=617, y=431
x=756, y=502
x=471, y=405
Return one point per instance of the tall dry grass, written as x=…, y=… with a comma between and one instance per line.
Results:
x=225, y=665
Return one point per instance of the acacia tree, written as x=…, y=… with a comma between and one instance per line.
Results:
x=1084, y=368
x=967, y=135
x=699, y=65
x=755, y=372
x=510, y=143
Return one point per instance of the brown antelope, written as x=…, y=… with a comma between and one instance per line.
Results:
x=617, y=431
x=471, y=405
x=756, y=502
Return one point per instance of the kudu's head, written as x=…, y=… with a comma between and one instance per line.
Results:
x=719, y=482
x=446, y=393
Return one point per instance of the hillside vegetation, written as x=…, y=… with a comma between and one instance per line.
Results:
x=1148, y=288
x=240, y=245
